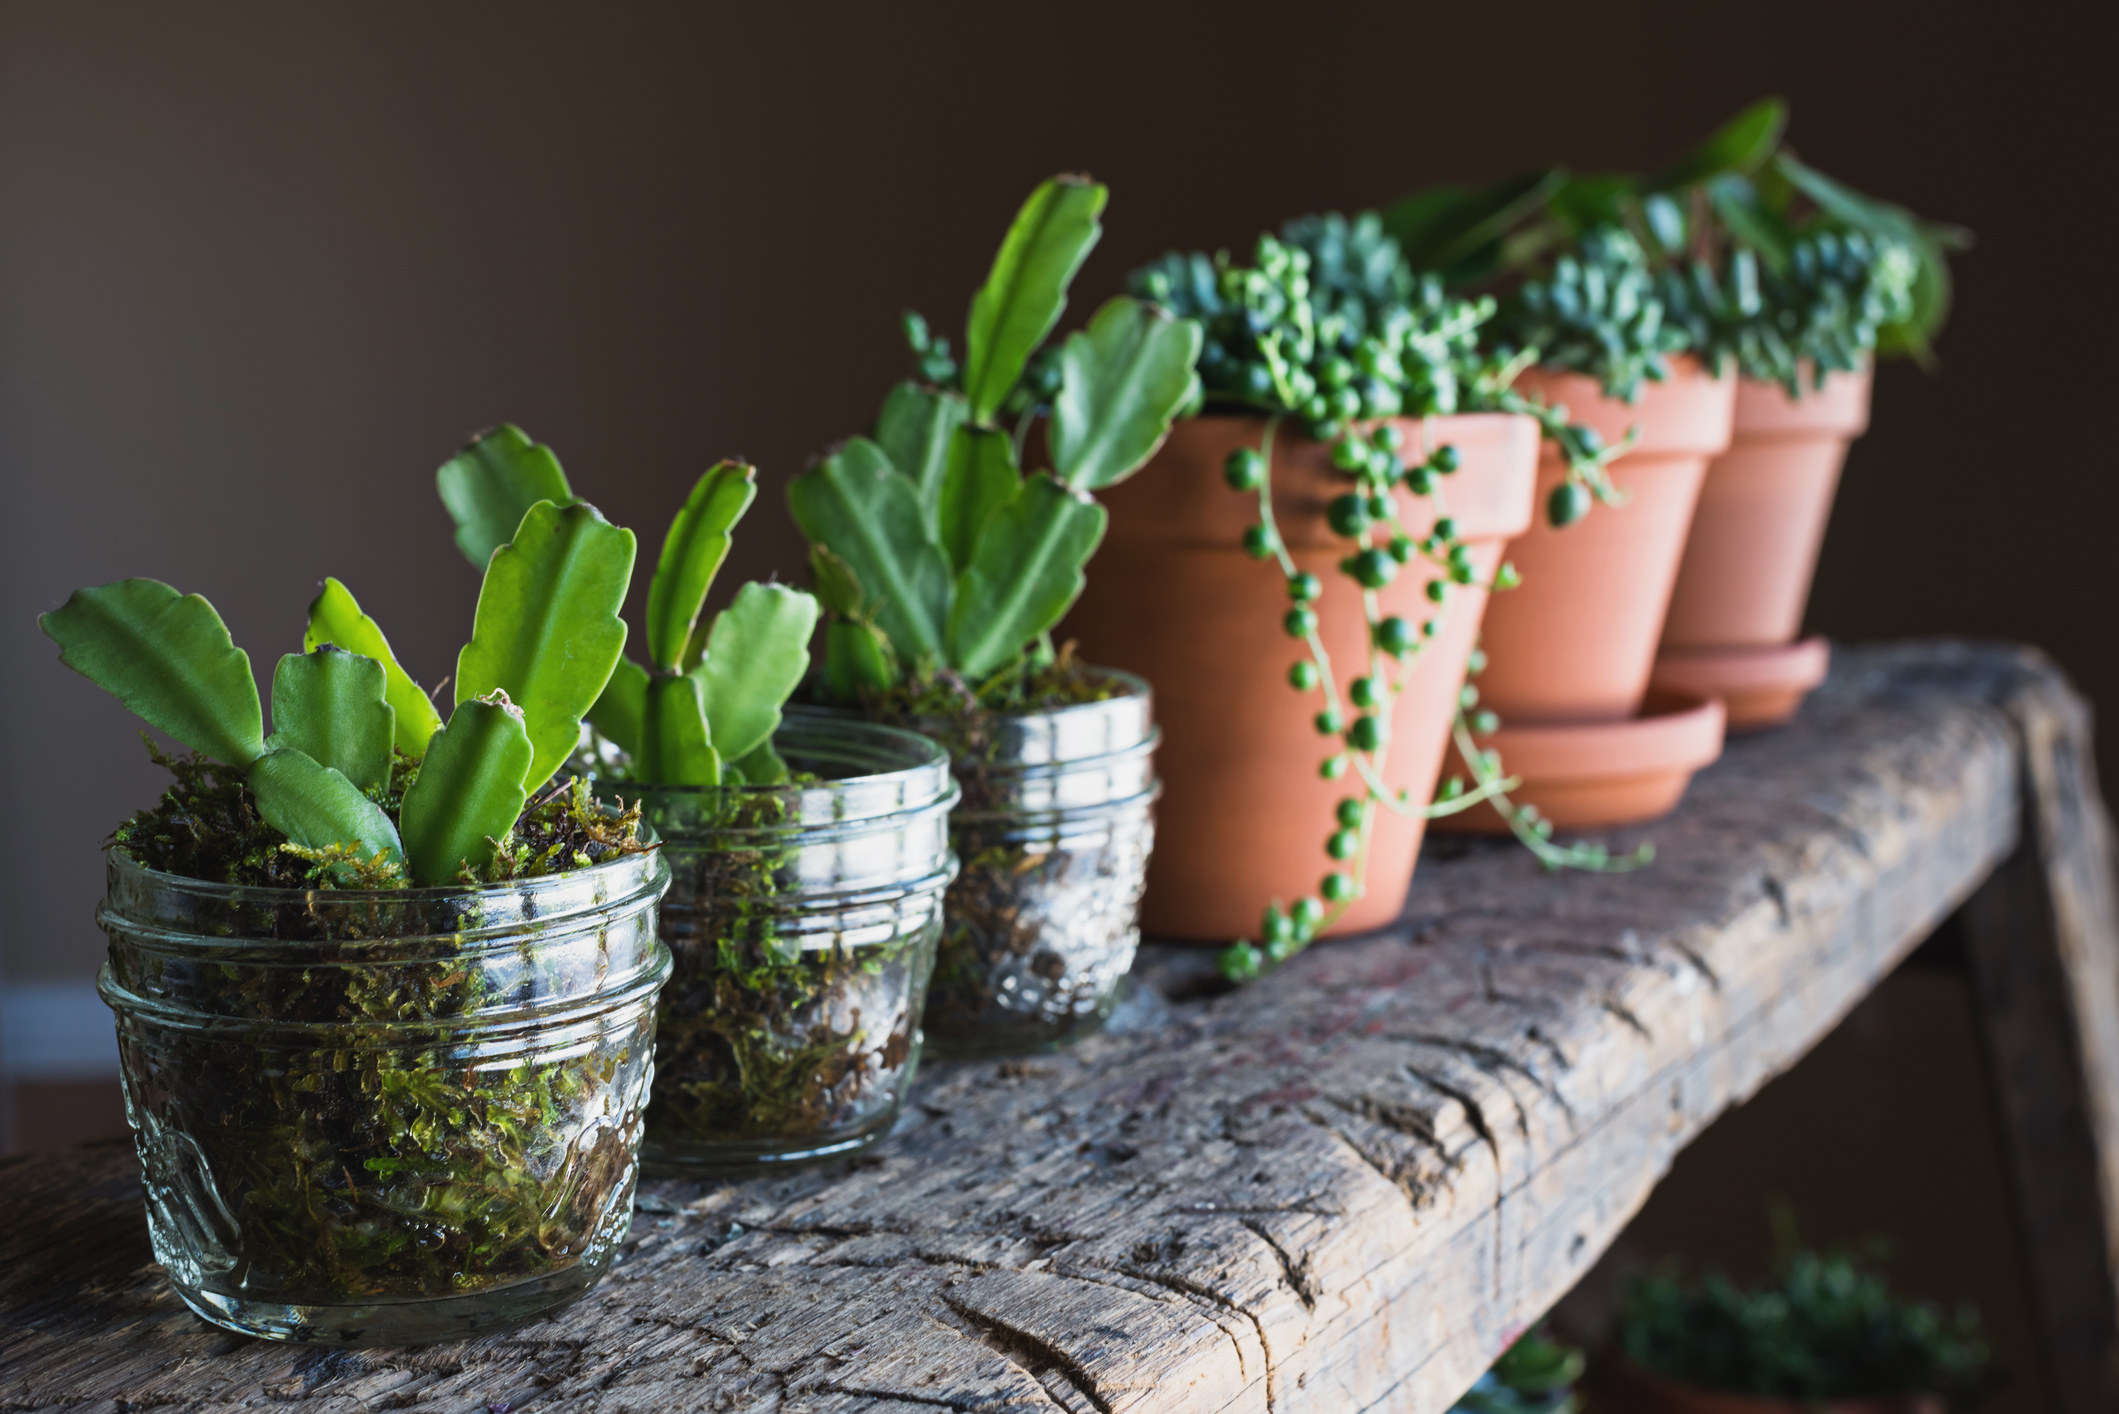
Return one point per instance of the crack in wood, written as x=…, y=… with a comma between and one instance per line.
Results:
x=1186, y=1288
x=1297, y=1273
x=1014, y=1343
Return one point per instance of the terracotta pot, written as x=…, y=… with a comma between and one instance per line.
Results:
x=1618, y=1386
x=1173, y=597
x=1761, y=687
x=1577, y=641
x=1585, y=774
x=1746, y=573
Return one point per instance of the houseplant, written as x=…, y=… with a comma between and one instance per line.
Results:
x=943, y=570
x=1825, y=1333
x=1797, y=284
x=1335, y=445
x=1569, y=657
x=808, y=858
x=383, y=994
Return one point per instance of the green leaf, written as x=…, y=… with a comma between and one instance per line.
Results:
x=547, y=631
x=169, y=658
x=763, y=767
x=490, y=484
x=914, y=432
x=1026, y=573
x=469, y=791
x=676, y=745
x=757, y=653
x=837, y=588
x=982, y=476
x=1929, y=241
x=857, y=661
x=335, y=617
x=692, y=553
x=1739, y=145
x=1121, y=381
x=1736, y=205
x=621, y=711
x=333, y=707
x=1027, y=288
x=1458, y=231
x=1585, y=202
x=856, y=504
x=316, y=807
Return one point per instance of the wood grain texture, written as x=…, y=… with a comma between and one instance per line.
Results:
x=2042, y=940
x=1345, y=1188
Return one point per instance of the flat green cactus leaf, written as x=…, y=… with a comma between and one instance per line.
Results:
x=1121, y=381
x=490, y=484
x=1025, y=575
x=333, y=707
x=547, y=631
x=914, y=431
x=676, y=744
x=335, y=617
x=469, y=791
x=1027, y=288
x=692, y=553
x=169, y=658
x=757, y=653
x=317, y=807
x=982, y=475
x=858, y=505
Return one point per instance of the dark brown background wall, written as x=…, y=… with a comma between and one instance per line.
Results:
x=263, y=266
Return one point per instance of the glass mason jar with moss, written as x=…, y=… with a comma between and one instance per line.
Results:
x=1054, y=831
x=803, y=917
x=385, y=1116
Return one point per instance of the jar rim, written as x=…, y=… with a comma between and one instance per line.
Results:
x=646, y=862
x=923, y=781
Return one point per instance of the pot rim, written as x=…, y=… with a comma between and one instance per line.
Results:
x=927, y=773
x=123, y=864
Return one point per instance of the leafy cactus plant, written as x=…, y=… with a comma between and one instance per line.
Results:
x=932, y=550
x=703, y=710
x=345, y=714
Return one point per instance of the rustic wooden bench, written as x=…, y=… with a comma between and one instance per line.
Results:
x=1344, y=1188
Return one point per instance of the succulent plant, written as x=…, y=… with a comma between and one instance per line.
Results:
x=931, y=549
x=1825, y=1327
x=544, y=640
x=705, y=707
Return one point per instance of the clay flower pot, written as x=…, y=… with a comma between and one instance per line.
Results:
x=1577, y=641
x=1746, y=574
x=1605, y=773
x=1174, y=598
x=1619, y=1386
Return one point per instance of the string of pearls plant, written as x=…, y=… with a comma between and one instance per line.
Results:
x=1330, y=331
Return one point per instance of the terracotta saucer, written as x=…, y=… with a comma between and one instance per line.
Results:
x=1761, y=687
x=1603, y=773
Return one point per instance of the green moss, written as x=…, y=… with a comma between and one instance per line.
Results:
x=758, y=1037
x=207, y=826
x=1059, y=680
x=363, y=1149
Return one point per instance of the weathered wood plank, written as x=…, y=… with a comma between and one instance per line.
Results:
x=1345, y=1189
x=2043, y=942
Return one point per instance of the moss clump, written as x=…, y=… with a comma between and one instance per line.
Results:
x=207, y=826
x=1062, y=680
x=761, y=1041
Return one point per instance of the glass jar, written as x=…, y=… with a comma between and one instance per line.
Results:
x=1053, y=833
x=803, y=919
x=392, y=1116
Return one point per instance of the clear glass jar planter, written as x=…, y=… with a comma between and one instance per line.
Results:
x=803, y=919
x=385, y=1117
x=1053, y=832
